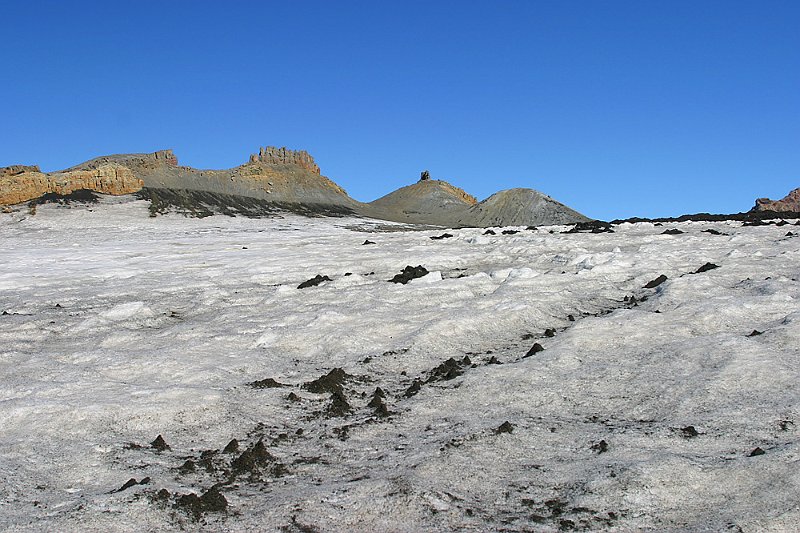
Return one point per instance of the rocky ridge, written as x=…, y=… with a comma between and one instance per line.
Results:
x=19, y=183
x=286, y=179
x=791, y=203
x=284, y=156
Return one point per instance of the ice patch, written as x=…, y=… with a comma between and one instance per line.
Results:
x=127, y=311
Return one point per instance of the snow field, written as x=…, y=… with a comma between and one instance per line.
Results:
x=120, y=327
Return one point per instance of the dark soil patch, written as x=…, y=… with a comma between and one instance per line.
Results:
x=656, y=282
x=313, y=282
x=410, y=273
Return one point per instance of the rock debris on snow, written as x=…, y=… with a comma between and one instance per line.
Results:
x=313, y=282
x=411, y=437
x=656, y=282
x=410, y=273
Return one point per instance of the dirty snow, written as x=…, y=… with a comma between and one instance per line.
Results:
x=638, y=414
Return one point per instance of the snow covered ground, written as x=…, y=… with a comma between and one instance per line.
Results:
x=636, y=415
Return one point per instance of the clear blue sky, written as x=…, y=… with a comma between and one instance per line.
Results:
x=635, y=108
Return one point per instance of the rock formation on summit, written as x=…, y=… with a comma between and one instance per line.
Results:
x=791, y=202
x=283, y=156
x=19, y=183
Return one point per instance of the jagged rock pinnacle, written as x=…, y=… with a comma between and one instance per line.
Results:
x=284, y=156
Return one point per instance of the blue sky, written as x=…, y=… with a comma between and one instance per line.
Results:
x=636, y=108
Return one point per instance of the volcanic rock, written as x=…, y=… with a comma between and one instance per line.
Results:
x=409, y=273
x=706, y=268
x=656, y=282
x=791, y=202
x=536, y=348
x=313, y=282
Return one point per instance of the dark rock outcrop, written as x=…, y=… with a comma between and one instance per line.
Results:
x=790, y=203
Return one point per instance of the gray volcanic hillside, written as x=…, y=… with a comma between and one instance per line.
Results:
x=425, y=202
x=520, y=207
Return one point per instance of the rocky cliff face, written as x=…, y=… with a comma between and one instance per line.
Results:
x=283, y=156
x=789, y=203
x=20, y=186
